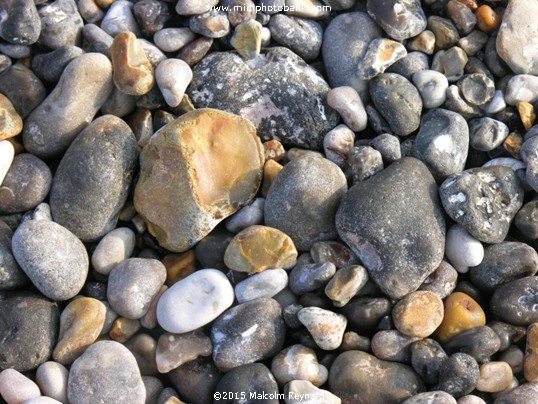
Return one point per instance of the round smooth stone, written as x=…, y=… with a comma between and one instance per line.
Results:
x=479, y=342
x=207, y=292
x=392, y=345
x=345, y=284
x=432, y=86
x=442, y=281
x=213, y=23
x=427, y=356
x=173, y=77
x=418, y=314
x=401, y=19
x=16, y=388
x=20, y=24
x=173, y=39
x=298, y=362
x=54, y=259
x=516, y=302
x=301, y=35
x=462, y=312
x=477, y=88
x=51, y=377
x=462, y=249
x=494, y=377
x=338, y=144
x=521, y=88
x=327, y=328
x=349, y=105
x=250, y=215
x=264, y=284
x=115, y=247
x=247, y=39
x=61, y=24
x=307, y=277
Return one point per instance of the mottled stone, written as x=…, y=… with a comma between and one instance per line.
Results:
x=302, y=36
x=119, y=18
x=327, y=328
x=480, y=342
x=10, y=120
x=418, y=314
x=247, y=39
x=401, y=19
x=248, y=380
x=494, y=377
x=462, y=313
x=515, y=302
x=20, y=24
x=477, y=88
x=345, y=284
x=427, y=356
x=446, y=34
x=61, y=24
x=432, y=86
x=298, y=362
x=381, y=54
x=264, y=284
x=487, y=133
x=213, y=23
x=151, y=15
x=54, y=259
x=458, y=375
x=173, y=350
x=385, y=199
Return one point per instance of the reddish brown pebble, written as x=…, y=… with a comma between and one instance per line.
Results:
x=513, y=144
x=274, y=150
x=193, y=52
x=487, y=19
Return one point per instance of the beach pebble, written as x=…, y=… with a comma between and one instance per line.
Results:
x=61, y=24
x=173, y=350
x=7, y=154
x=431, y=397
x=418, y=314
x=446, y=34
x=173, y=39
x=515, y=302
x=98, y=40
x=249, y=380
x=326, y=327
x=81, y=323
x=427, y=356
x=50, y=66
x=387, y=91
x=100, y=374
x=494, y=377
x=462, y=249
x=11, y=124
x=385, y=197
x=458, y=375
x=432, y=87
x=462, y=16
x=119, y=18
x=477, y=88
x=399, y=18
x=264, y=284
x=21, y=24
x=173, y=76
x=392, y=345
x=212, y=24
x=247, y=39
x=462, y=313
x=151, y=15
x=527, y=220
x=521, y=88
x=250, y=215
x=116, y=246
x=154, y=388
x=298, y=362
x=301, y=391
x=30, y=330
x=363, y=163
x=307, y=277
x=303, y=36
x=531, y=354
x=346, y=101
x=16, y=388
x=480, y=342
x=104, y=156
x=176, y=305
x=338, y=144
x=247, y=333
x=11, y=275
x=345, y=284
x=487, y=133
x=381, y=54
x=23, y=88
x=51, y=377
x=526, y=393
x=54, y=259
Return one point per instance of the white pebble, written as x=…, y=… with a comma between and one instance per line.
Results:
x=16, y=388
x=113, y=249
x=264, y=284
x=462, y=249
x=173, y=77
x=346, y=101
x=173, y=39
x=497, y=103
x=51, y=377
x=338, y=144
x=7, y=153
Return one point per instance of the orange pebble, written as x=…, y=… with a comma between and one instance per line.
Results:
x=487, y=19
x=462, y=313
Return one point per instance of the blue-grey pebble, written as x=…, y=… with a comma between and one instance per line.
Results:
x=20, y=23
x=487, y=133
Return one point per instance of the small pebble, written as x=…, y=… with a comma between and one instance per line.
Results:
x=173, y=77
x=432, y=86
x=494, y=377
x=477, y=89
x=446, y=34
x=307, y=277
x=16, y=388
x=442, y=281
x=61, y=24
x=7, y=154
x=462, y=249
x=381, y=54
x=327, y=328
x=51, y=377
x=423, y=42
x=461, y=313
x=338, y=144
x=10, y=120
x=418, y=314
x=527, y=115
x=487, y=134
x=392, y=345
x=347, y=102
x=250, y=215
x=345, y=284
x=173, y=39
x=364, y=163
x=298, y=362
x=173, y=350
x=399, y=18
x=264, y=284
x=333, y=251
x=427, y=356
x=473, y=43
x=123, y=329
x=458, y=375
x=514, y=302
x=480, y=342
x=151, y=15
x=303, y=36
x=462, y=16
x=212, y=24
x=115, y=247
x=521, y=88
x=246, y=39
x=119, y=18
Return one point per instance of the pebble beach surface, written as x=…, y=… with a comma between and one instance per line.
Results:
x=268, y=201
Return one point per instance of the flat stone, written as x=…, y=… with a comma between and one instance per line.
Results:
x=381, y=248
x=106, y=372
x=83, y=88
x=21, y=24
x=173, y=350
x=116, y=246
x=51, y=377
x=92, y=181
x=462, y=249
x=487, y=133
x=477, y=88
x=54, y=259
x=401, y=19
x=293, y=111
x=176, y=305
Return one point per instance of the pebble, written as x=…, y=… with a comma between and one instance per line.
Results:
x=104, y=155
x=154, y=387
x=151, y=15
x=250, y=215
x=118, y=104
x=531, y=354
x=483, y=200
x=442, y=281
x=387, y=91
x=526, y=393
x=21, y=24
x=480, y=342
x=497, y=103
x=345, y=284
x=346, y=101
x=364, y=163
x=81, y=323
x=327, y=328
x=473, y=43
x=271, y=169
x=462, y=313
x=51, y=377
x=521, y=88
x=307, y=277
x=212, y=24
x=298, y=362
x=165, y=201
x=452, y=63
x=68, y=109
x=418, y=314
x=11, y=124
x=173, y=76
x=193, y=7
x=143, y=347
x=442, y=142
x=381, y=54
x=106, y=372
x=30, y=330
x=90, y=11
x=250, y=379
x=394, y=382
x=49, y=66
x=527, y=220
x=462, y=249
x=23, y=88
x=518, y=37
x=338, y=144
x=527, y=115
x=302, y=36
x=410, y=64
x=458, y=375
x=307, y=8
x=317, y=185
x=176, y=305
x=61, y=24
x=25, y=185
x=399, y=18
x=296, y=106
x=258, y=248
x=432, y=87
x=423, y=42
x=487, y=133
x=529, y=156
x=385, y=197
x=173, y=39
x=477, y=88
x=494, y=377
x=247, y=39
x=391, y=345
x=389, y=147
x=16, y=388
x=264, y=284
x=173, y=350
x=487, y=19
x=119, y=18
x=333, y=251
x=504, y=263
x=298, y=391
x=98, y=40
x=515, y=301
x=427, y=356
x=54, y=259
x=446, y=34
x=462, y=16
x=345, y=41
x=193, y=52
x=247, y=333
x=507, y=333
x=11, y=275
x=116, y=246
x=7, y=154
x=431, y=397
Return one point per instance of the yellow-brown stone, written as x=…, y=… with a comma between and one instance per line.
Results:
x=81, y=323
x=195, y=172
x=526, y=114
x=530, y=363
x=258, y=248
x=179, y=266
x=123, y=328
x=133, y=73
x=247, y=39
x=487, y=19
x=513, y=144
x=462, y=313
x=270, y=170
x=494, y=377
x=10, y=120
x=418, y=314
x=274, y=150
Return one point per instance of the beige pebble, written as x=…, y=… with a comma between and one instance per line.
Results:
x=494, y=377
x=173, y=350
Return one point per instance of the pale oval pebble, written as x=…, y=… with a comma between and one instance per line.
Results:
x=298, y=362
x=523, y=87
x=264, y=284
x=173, y=39
x=51, y=377
x=173, y=76
x=497, y=103
x=7, y=153
x=494, y=377
x=349, y=105
x=462, y=249
x=116, y=246
x=173, y=350
x=207, y=292
x=16, y=388
x=338, y=144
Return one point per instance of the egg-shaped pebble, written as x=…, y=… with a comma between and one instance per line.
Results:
x=51, y=377
x=16, y=388
x=116, y=246
x=462, y=249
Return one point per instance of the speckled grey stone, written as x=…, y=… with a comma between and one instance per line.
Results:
x=20, y=24
x=412, y=63
x=50, y=66
x=515, y=302
x=458, y=375
x=53, y=258
x=61, y=24
x=487, y=133
x=303, y=36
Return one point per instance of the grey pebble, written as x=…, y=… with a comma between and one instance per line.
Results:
x=410, y=64
x=487, y=133
x=50, y=66
x=98, y=40
x=247, y=216
x=515, y=302
x=120, y=18
x=212, y=24
x=301, y=35
x=527, y=219
x=432, y=86
x=23, y=88
x=427, y=357
x=389, y=147
x=20, y=23
x=307, y=277
x=61, y=24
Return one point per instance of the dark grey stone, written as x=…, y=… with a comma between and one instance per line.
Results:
x=477, y=89
x=389, y=147
x=20, y=23
x=11, y=275
x=23, y=88
x=442, y=142
x=479, y=342
x=515, y=302
x=527, y=220
x=410, y=64
x=28, y=331
x=309, y=277
x=210, y=250
x=246, y=380
x=196, y=380
x=401, y=19
x=278, y=92
x=508, y=334
x=98, y=39
x=301, y=35
x=483, y=200
x=526, y=393
x=365, y=313
x=398, y=101
x=61, y=24
x=392, y=345
x=427, y=356
x=316, y=186
x=398, y=235
x=50, y=66
x=92, y=181
x=151, y=15
x=458, y=375
x=487, y=133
